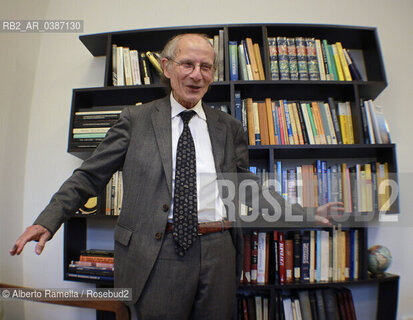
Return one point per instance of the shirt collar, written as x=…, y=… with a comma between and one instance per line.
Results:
x=177, y=108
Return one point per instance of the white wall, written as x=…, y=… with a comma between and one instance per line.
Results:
x=39, y=72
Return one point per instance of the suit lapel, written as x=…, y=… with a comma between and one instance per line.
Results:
x=217, y=134
x=161, y=121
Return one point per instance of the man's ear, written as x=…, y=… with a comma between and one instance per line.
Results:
x=165, y=65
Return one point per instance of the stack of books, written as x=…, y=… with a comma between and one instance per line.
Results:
x=93, y=264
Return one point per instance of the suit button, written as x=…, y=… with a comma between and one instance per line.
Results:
x=158, y=236
x=165, y=208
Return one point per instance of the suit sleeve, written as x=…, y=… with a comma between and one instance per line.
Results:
x=90, y=178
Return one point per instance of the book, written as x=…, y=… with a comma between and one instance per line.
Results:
x=313, y=72
x=253, y=59
x=136, y=74
x=270, y=121
x=343, y=62
x=120, y=78
x=292, y=59
x=283, y=58
x=337, y=63
x=378, y=122
x=233, y=60
x=263, y=123
x=154, y=62
x=260, y=66
x=272, y=47
x=127, y=67
x=243, y=74
x=114, y=65
x=320, y=60
x=301, y=58
x=221, y=55
x=144, y=67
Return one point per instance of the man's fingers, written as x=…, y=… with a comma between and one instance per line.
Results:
x=42, y=242
x=34, y=232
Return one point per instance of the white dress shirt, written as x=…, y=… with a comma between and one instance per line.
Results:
x=210, y=205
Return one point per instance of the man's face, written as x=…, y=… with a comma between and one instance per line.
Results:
x=189, y=87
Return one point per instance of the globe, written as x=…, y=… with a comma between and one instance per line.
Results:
x=379, y=259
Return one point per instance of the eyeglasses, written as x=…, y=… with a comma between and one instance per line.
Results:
x=188, y=67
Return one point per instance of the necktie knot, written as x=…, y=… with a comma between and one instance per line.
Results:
x=186, y=116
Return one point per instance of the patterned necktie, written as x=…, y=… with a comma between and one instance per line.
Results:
x=185, y=212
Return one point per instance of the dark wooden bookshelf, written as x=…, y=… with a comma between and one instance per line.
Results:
x=363, y=40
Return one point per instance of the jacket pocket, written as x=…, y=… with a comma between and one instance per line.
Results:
x=122, y=235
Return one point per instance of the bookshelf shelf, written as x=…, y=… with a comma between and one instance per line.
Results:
x=362, y=41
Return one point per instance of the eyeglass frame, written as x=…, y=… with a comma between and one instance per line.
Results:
x=193, y=66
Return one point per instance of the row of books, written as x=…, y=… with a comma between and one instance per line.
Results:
x=114, y=195
x=285, y=122
x=361, y=187
x=327, y=303
x=245, y=60
x=253, y=307
x=131, y=68
x=302, y=256
x=303, y=58
x=93, y=264
x=90, y=125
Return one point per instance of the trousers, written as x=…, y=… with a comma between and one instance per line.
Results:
x=199, y=285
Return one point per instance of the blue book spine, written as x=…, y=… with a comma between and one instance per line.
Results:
x=318, y=255
x=328, y=184
x=319, y=182
x=238, y=107
x=352, y=275
x=324, y=182
x=284, y=185
x=288, y=122
x=233, y=60
x=279, y=178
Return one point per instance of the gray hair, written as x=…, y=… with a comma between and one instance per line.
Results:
x=169, y=50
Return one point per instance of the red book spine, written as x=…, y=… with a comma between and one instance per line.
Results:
x=254, y=257
x=281, y=257
x=247, y=259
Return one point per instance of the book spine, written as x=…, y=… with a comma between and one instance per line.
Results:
x=314, y=73
x=283, y=58
x=302, y=58
x=292, y=59
x=233, y=60
x=272, y=47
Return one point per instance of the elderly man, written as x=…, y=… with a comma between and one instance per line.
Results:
x=174, y=244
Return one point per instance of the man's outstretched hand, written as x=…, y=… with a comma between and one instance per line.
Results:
x=326, y=211
x=33, y=233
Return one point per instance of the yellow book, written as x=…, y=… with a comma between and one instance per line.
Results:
x=286, y=139
x=259, y=61
x=268, y=108
x=298, y=123
x=154, y=62
x=250, y=122
x=253, y=60
x=293, y=123
x=257, y=133
x=318, y=122
x=349, y=116
x=343, y=61
x=341, y=110
x=369, y=188
x=339, y=68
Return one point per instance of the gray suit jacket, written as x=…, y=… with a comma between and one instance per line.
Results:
x=140, y=143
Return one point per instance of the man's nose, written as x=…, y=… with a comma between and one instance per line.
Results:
x=196, y=73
